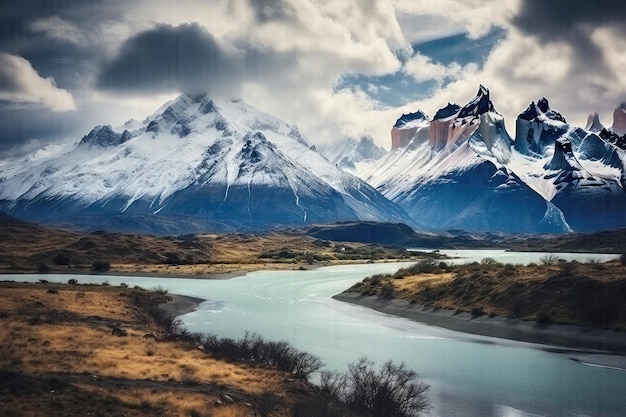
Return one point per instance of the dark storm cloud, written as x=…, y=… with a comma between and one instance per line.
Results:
x=69, y=63
x=20, y=128
x=17, y=16
x=562, y=19
x=572, y=22
x=184, y=58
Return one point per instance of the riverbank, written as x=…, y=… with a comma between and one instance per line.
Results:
x=565, y=336
x=177, y=305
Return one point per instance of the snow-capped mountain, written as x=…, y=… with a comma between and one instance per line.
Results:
x=538, y=127
x=459, y=178
x=470, y=174
x=352, y=155
x=196, y=164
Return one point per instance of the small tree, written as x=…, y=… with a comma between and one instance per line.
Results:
x=389, y=391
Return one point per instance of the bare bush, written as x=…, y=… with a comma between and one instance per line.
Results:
x=489, y=262
x=550, y=259
x=389, y=391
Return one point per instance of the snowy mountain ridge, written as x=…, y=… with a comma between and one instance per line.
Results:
x=223, y=164
x=462, y=170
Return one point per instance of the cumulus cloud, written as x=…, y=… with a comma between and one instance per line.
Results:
x=475, y=17
x=422, y=68
x=185, y=58
x=22, y=86
x=359, y=35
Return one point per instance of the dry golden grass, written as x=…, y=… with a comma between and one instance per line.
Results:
x=55, y=332
x=203, y=270
x=408, y=285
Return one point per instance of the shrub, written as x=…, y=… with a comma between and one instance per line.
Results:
x=160, y=290
x=61, y=259
x=375, y=280
x=477, y=312
x=72, y=281
x=100, y=266
x=254, y=348
x=389, y=391
x=387, y=290
x=548, y=260
x=544, y=317
x=426, y=265
x=188, y=375
x=171, y=258
x=507, y=271
x=567, y=268
x=489, y=262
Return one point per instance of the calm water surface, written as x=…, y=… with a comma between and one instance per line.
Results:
x=469, y=375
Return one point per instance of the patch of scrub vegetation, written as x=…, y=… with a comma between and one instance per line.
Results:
x=555, y=291
x=324, y=251
x=75, y=349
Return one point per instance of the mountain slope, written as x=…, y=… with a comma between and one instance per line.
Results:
x=589, y=202
x=211, y=164
x=351, y=155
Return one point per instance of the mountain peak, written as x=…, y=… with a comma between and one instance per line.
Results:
x=541, y=112
x=406, y=120
x=450, y=110
x=478, y=105
x=543, y=105
x=593, y=123
x=104, y=136
x=408, y=128
x=563, y=158
x=619, y=120
x=531, y=112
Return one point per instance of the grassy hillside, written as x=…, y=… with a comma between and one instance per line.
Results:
x=26, y=247
x=590, y=294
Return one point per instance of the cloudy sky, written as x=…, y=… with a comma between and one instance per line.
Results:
x=335, y=68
